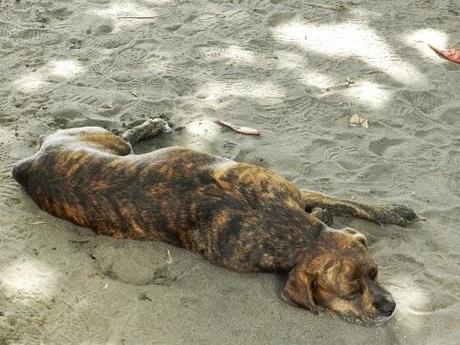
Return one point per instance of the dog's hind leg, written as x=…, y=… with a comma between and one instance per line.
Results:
x=103, y=140
x=100, y=140
x=323, y=214
x=148, y=129
x=380, y=214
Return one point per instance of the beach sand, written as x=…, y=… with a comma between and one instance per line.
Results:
x=295, y=70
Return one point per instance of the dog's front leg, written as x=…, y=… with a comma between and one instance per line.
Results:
x=380, y=214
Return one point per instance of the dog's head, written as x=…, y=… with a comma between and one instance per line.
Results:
x=340, y=274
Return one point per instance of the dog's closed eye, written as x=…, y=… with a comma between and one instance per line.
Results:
x=352, y=295
x=355, y=289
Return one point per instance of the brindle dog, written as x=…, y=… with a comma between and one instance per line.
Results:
x=239, y=216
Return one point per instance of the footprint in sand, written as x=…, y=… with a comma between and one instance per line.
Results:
x=104, y=28
x=433, y=135
x=59, y=12
x=33, y=36
x=451, y=117
x=426, y=101
x=106, y=41
x=379, y=146
x=102, y=65
x=378, y=172
x=82, y=98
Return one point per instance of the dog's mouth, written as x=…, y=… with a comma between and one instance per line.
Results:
x=363, y=320
x=378, y=320
x=381, y=319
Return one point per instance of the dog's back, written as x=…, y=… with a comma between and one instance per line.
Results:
x=225, y=210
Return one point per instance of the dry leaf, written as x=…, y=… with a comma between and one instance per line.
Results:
x=239, y=129
x=357, y=120
x=452, y=54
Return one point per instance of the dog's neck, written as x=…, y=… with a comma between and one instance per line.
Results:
x=320, y=238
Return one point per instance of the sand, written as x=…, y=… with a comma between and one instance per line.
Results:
x=297, y=71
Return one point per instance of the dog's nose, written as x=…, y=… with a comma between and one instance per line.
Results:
x=385, y=305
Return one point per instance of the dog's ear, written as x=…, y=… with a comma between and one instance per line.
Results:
x=356, y=235
x=298, y=290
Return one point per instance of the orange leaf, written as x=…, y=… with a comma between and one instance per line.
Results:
x=239, y=129
x=452, y=54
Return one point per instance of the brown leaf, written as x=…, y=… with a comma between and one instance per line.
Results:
x=452, y=54
x=239, y=129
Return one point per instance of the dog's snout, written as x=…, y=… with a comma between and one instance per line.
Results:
x=385, y=305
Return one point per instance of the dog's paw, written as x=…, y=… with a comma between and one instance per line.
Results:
x=395, y=214
x=323, y=214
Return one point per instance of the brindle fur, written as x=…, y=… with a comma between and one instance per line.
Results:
x=239, y=216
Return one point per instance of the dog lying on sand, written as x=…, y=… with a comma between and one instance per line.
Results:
x=239, y=216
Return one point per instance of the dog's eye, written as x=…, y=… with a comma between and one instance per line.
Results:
x=354, y=293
